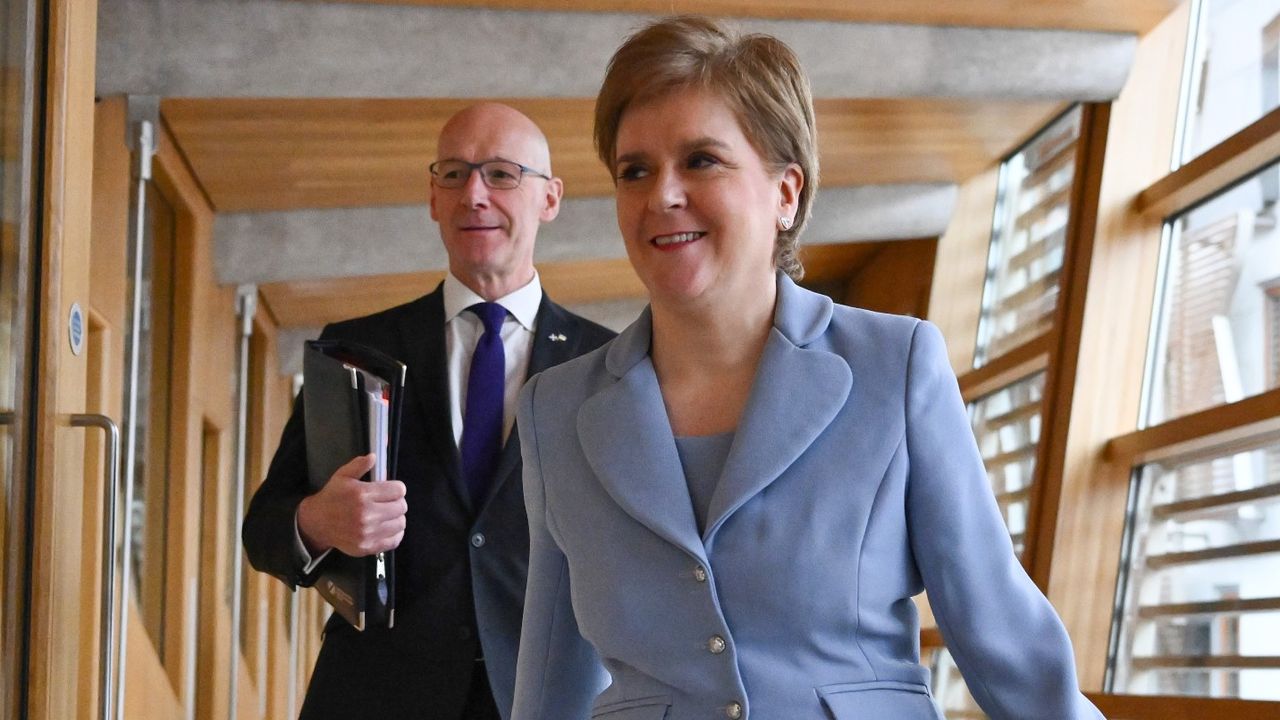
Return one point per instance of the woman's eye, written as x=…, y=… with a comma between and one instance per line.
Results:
x=701, y=160
x=631, y=172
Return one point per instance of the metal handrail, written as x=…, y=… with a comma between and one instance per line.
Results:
x=111, y=493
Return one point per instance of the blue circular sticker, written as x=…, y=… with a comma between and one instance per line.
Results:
x=75, y=328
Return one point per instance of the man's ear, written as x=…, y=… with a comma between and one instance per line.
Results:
x=551, y=208
x=434, y=214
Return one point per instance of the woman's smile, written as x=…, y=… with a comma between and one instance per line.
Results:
x=675, y=241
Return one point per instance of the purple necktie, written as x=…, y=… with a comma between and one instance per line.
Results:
x=482, y=420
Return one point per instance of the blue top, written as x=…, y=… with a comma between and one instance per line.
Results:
x=702, y=457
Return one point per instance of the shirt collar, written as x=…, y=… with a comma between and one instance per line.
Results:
x=522, y=304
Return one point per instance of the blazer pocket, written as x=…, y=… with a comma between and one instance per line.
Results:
x=645, y=708
x=878, y=699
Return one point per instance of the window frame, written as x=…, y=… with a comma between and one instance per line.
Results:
x=1212, y=431
x=1053, y=352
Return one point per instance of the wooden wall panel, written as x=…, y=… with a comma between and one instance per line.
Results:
x=1112, y=346
x=202, y=319
x=147, y=695
x=277, y=404
x=896, y=279
x=11, y=112
x=107, y=325
x=962, y=253
x=279, y=154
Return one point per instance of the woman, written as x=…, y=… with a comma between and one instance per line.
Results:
x=732, y=504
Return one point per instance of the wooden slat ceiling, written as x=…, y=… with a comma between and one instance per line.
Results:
x=1104, y=15
x=312, y=303
x=283, y=154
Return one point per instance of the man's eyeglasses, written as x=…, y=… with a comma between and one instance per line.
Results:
x=497, y=174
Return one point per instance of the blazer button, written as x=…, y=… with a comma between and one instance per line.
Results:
x=700, y=574
x=733, y=710
x=477, y=540
x=716, y=645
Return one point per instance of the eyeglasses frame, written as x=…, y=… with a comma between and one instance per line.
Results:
x=473, y=166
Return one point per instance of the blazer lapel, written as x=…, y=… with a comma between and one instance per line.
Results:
x=626, y=438
x=423, y=334
x=796, y=394
x=555, y=340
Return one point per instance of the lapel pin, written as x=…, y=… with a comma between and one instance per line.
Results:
x=557, y=337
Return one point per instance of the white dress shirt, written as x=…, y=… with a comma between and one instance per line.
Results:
x=462, y=330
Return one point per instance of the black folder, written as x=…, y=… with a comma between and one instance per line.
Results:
x=342, y=384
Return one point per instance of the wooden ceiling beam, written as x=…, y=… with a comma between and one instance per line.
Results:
x=285, y=154
x=1137, y=16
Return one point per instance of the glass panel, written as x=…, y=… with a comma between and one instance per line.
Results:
x=950, y=693
x=1006, y=424
x=1211, y=336
x=1201, y=612
x=1236, y=74
x=18, y=47
x=1027, y=239
x=151, y=461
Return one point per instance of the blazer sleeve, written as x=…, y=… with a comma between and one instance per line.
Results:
x=1008, y=642
x=558, y=673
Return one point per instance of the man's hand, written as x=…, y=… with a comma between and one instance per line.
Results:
x=359, y=518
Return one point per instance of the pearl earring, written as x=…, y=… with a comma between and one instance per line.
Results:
x=784, y=222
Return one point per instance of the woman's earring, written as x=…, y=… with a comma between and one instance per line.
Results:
x=784, y=223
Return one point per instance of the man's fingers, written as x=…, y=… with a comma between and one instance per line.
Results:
x=385, y=492
x=385, y=536
x=393, y=542
x=374, y=515
x=393, y=527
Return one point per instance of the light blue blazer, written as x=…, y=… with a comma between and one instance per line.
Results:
x=853, y=484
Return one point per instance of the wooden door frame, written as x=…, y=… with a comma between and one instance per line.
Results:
x=54, y=641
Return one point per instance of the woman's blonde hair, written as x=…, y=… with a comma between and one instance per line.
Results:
x=757, y=76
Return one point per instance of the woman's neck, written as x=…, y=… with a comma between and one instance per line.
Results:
x=711, y=350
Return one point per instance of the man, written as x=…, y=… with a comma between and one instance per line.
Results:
x=456, y=515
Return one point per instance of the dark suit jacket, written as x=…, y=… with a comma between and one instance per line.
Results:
x=460, y=570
